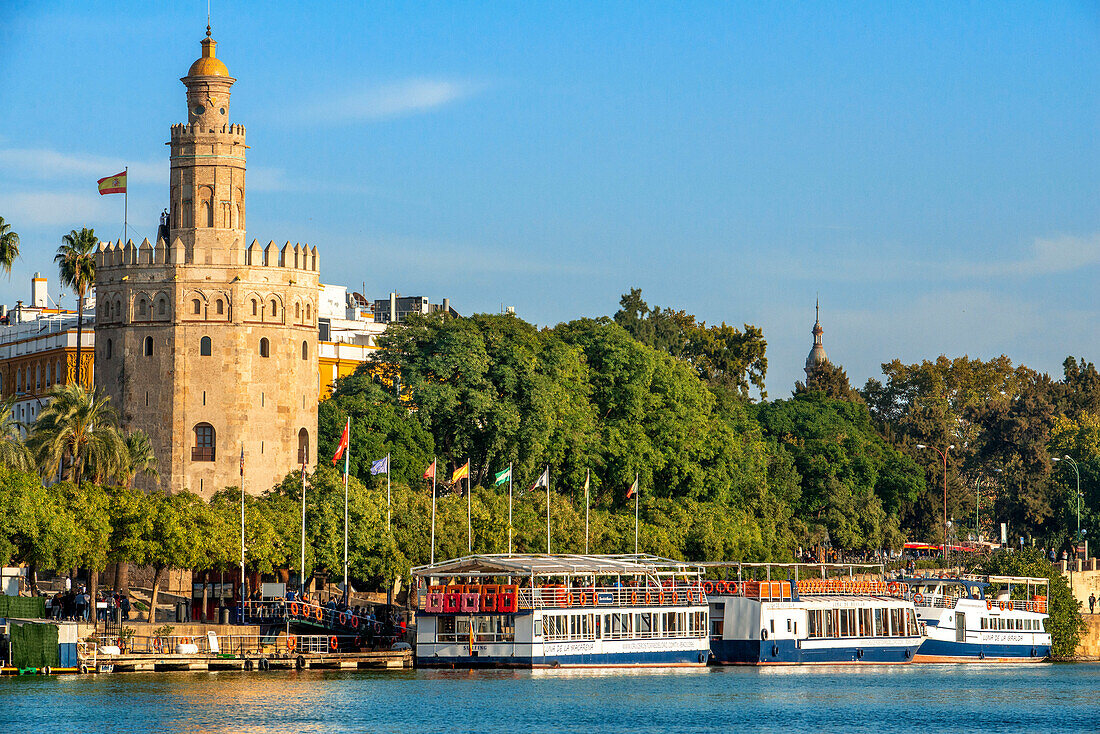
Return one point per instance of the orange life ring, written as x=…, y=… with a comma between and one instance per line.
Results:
x=333, y=642
x=158, y=644
x=294, y=609
x=1001, y=605
x=892, y=587
x=343, y=618
x=319, y=614
x=708, y=587
x=354, y=622
x=918, y=599
x=633, y=597
x=569, y=599
x=988, y=604
x=291, y=642
x=648, y=597
x=185, y=641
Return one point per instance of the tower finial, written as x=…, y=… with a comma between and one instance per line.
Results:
x=208, y=18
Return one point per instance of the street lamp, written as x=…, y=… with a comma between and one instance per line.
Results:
x=944, y=455
x=1076, y=471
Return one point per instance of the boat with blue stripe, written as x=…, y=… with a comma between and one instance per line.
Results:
x=560, y=611
x=981, y=619
x=804, y=614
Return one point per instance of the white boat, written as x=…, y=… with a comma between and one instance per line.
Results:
x=560, y=611
x=990, y=619
x=808, y=618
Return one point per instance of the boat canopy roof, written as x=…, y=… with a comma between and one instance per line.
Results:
x=518, y=564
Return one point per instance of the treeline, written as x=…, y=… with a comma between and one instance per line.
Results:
x=655, y=393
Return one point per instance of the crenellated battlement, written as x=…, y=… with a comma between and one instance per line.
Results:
x=110, y=256
x=181, y=131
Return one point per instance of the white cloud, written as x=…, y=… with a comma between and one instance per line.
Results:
x=51, y=165
x=1048, y=256
x=51, y=208
x=396, y=99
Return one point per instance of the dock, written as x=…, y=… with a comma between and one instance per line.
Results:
x=140, y=661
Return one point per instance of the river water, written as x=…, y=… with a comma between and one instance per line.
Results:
x=923, y=698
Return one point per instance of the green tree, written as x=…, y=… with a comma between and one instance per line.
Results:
x=139, y=458
x=75, y=260
x=830, y=379
x=9, y=246
x=77, y=434
x=13, y=451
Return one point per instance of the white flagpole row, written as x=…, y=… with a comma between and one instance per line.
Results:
x=347, y=463
x=547, y=509
x=389, y=512
x=637, y=491
x=587, y=479
x=435, y=470
x=302, y=568
x=469, y=511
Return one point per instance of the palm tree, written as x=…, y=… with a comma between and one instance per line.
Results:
x=140, y=458
x=13, y=452
x=9, y=246
x=75, y=260
x=77, y=434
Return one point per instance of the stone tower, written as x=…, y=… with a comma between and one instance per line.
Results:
x=817, y=352
x=205, y=343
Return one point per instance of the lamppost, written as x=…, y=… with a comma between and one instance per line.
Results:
x=1076, y=471
x=944, y=455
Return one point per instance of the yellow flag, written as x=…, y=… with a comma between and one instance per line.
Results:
x=462, y=472
x=113, y=184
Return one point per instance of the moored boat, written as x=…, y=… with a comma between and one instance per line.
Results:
x=981, y=619
x=558, y=611
x=820, y=619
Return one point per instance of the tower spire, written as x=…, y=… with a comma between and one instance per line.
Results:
x=817, y=351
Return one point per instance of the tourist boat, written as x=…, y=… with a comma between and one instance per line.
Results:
x=972, y=619
x=560, y=611
x=809, y=617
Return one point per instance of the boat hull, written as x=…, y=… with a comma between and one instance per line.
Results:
x=790, y=652
x=654, y=659
x=940, y=651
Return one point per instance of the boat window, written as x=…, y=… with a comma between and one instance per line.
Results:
x=644, y=624
x=830, y=623
x=878, y=622
x=773, y=626
x=796, y=629
x=788, y=624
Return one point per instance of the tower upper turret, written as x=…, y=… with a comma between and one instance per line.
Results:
x=817, y=352
x=208, y=84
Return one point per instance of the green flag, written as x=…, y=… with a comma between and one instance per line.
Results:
x=503, y=477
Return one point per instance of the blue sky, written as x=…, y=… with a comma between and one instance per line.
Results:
x=931, y=169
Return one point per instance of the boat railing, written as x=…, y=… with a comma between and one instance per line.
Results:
x=505, y=598
x=1038, y=605
x=227, y=645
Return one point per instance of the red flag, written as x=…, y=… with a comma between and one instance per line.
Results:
x=430, y=472
x=632, y=491
x=343, y=445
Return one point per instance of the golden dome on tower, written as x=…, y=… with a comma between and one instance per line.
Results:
x=208, y=64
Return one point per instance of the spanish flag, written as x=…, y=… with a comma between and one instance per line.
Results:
x=462, y=472
x=113, y=184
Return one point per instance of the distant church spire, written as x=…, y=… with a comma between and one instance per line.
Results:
x=817, y=352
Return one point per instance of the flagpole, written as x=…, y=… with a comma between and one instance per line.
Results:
x=509, y=509
x=347, y=463
x=547, y=509
x=389, y=512
x=587, y=478
x=435, y=471
x=469, y=511
x=242, y=527
x=126, y=205
x=302, y=568
x=637, y=491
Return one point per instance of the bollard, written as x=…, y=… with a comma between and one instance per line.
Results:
x=223, y=615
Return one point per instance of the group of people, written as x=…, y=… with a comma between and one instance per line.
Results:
x=77, y=605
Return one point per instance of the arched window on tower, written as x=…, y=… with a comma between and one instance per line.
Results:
x=143, y=308
x=220, y=307
x=303, y=446
x=203, y=450
x=204, y=347
x=305, y=350
x=297, y=310
x=162, y=306
x=255, y=307
x=147, y=347
x=196, y=306
x=37, y=377
x=109, y=350
x=265, y=347
x=308, y=312
x=274, y=308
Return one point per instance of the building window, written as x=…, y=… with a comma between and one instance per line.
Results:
x=143, y=308
x=254, y=307
x=307, y=312
x=204, y=347
x=297, y=310
x=162, y=307
x=148, y=347
x=37, y=377
x=203, y=450
x=274, y=308
x=110, y=348
x=196, y=307
x=220, y=307
x=303, y=446
x=305, y=350
x=265, y=348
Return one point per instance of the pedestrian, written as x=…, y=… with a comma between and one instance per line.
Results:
x=1092, y=602
x=124, y=604
x=1065, y=556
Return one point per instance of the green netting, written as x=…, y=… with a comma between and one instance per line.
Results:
x=23, y=607
x=34, y=646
